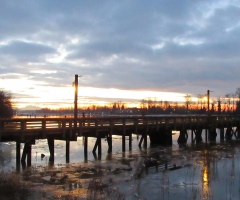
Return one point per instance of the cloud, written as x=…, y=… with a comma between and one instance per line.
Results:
x=168, y=45
x=25, y=50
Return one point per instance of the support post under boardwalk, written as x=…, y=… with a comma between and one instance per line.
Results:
x=98, y=145
x=145, y=141
x=51, y=149
x=206, y=134
x=222, y=134
x=162, y=136
x=27, y=153
x=18, y=153
x=141, y=139
x=183, y=136
x=123, y=143
x=85, y=148
x=192, y=136
x=130, y=141
x=212, y=134
x=67, y=150
x=109, y=140
x=198, y=135
x=238, y=132
x=228, y=134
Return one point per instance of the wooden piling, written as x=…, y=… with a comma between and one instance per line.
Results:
x=140, y=142
x=130, y=142
x=145, y=141
x=192, y=136
x=29, y=155
x=67, y=151
x=51, y=149
x=99, y=147
x=123, y=143
x=85, y=148
x=109, y=140
x=24, y=153
x=18, y=153
x=221, y=134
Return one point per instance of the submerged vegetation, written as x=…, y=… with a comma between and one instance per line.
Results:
x=195, y=172
x=12, y=187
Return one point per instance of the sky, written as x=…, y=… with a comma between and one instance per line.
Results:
x=124, y=50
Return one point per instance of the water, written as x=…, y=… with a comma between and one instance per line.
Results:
x=205, y=171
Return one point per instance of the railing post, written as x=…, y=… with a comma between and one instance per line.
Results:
x=136, y=125
x=23, y=128
x=96, y=127
x=70, y=128
x=44, y=127
x=64, y=129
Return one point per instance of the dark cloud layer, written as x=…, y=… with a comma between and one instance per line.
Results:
x=169, y=45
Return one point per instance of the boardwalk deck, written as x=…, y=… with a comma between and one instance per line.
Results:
x=158, y=128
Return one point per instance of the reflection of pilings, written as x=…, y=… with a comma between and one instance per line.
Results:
x=67, y=151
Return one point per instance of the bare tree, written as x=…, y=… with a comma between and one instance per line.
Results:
x=188, y=99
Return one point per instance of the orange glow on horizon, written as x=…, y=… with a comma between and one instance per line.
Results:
x=27, y=92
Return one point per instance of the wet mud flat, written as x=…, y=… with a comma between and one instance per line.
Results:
x=204, y=171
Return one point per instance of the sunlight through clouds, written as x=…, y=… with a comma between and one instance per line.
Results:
x=171, y=49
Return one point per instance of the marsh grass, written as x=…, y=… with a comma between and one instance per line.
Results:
x=11, y=187
x=99, y=191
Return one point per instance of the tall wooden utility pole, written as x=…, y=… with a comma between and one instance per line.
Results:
x=75, y=97
x=76, y=102
x=208, y=100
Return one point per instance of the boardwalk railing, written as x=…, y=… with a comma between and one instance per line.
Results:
x=158, y=128
x=32, y=125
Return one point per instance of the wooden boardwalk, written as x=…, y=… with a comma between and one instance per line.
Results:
x=158, y=128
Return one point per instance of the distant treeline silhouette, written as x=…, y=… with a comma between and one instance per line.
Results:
x=229, y=104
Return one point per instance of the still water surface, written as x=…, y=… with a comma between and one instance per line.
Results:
x=205, y=171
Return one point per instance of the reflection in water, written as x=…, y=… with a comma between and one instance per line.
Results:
x=201, y=171
x=205, y=175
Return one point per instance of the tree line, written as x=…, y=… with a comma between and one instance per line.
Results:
x=228, y=104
